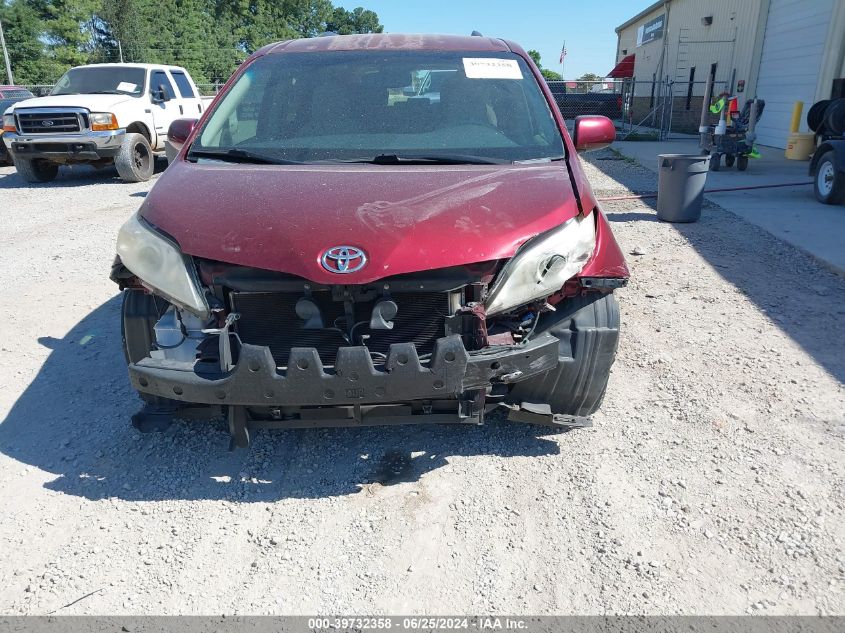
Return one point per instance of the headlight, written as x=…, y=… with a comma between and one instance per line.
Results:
x=160, y=265
x=101, y=121
x=543, y=265
x=8, y=122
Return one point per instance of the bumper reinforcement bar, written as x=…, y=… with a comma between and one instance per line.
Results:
x=256, y=381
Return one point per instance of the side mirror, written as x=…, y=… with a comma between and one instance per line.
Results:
x=179, y=131
x=593, y=132
x=159, y=94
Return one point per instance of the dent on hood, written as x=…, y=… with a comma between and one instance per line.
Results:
x=389, y=216
x=410, y=219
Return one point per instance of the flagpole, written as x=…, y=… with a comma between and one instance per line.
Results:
x=563, y=61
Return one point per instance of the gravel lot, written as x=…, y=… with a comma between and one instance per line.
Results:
x=711, y=483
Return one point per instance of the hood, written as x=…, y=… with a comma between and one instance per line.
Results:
x=406, y=218
x=94, y=103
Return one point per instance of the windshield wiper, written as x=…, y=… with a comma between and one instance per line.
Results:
x=432, y=159
x=235, y=155
x=547, y=159
x=107, y=92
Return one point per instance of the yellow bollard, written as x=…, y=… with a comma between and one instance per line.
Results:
x=796, y=117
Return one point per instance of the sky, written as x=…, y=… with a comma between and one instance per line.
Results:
x=586, y=25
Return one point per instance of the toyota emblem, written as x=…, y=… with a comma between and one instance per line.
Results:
x=343, y=259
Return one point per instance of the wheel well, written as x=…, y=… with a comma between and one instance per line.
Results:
x=140, y=128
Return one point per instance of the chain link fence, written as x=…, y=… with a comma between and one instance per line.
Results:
x=643, y=110
x=40, y=90
x=209, y=90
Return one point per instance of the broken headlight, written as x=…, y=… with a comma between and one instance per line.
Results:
x=543, y=264
x=160, y=265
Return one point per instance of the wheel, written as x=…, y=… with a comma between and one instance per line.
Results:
x=134, y=161
x=829, y=183
x=715, y=160
x=588, y=331
x=729, y=160
x=36, y=170
x=742, y=163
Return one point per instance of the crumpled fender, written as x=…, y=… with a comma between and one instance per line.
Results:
x=607, y=259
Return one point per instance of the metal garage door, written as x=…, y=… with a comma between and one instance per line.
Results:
x=790, y=64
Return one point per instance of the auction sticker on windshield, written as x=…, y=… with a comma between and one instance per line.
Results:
x=125, y=86
x=491, y=68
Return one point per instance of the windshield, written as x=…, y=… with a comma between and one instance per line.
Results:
x=363, y=105
x=101, y=80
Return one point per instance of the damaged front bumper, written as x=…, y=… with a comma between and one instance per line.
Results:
x=255, y=381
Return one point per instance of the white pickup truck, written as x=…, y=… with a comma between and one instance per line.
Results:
x=101, y=114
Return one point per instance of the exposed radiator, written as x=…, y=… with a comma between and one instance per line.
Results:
x=270, y=319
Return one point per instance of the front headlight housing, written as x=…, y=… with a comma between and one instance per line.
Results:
x=160, y=265
x=543, y=265
x=9, y=123
x=102, y=121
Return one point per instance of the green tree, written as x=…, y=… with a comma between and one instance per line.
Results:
x=359, y=20
x=67, y=30
x=208, y=37
x=587, y=81
x=549, y=75
x=22, y=29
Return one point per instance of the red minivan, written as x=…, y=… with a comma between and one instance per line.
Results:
x=342, y=241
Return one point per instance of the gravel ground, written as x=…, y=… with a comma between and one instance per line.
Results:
x=711, y=482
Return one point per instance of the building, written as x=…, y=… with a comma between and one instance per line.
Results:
x=782, y=51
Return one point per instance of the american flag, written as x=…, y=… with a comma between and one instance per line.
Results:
x=562, y=53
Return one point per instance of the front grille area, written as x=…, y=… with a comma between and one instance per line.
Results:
x=270, y=319
x=48, y=123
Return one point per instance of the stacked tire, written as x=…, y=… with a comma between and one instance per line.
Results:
x=827, y=117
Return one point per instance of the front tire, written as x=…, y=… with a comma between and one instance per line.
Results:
x=588, y=330
x=829, y=183
x=36, y=169
x=135, y=161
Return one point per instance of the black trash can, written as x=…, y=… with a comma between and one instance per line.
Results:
x=680, y=186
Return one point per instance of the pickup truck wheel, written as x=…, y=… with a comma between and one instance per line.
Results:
x=134, y=161
x=829, y=183
x=36, y=170
x=588, y=330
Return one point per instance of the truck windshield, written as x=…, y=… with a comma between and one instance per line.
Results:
x=368, y=106
x=101, y=80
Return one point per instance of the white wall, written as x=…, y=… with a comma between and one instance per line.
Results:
x=793, y=49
